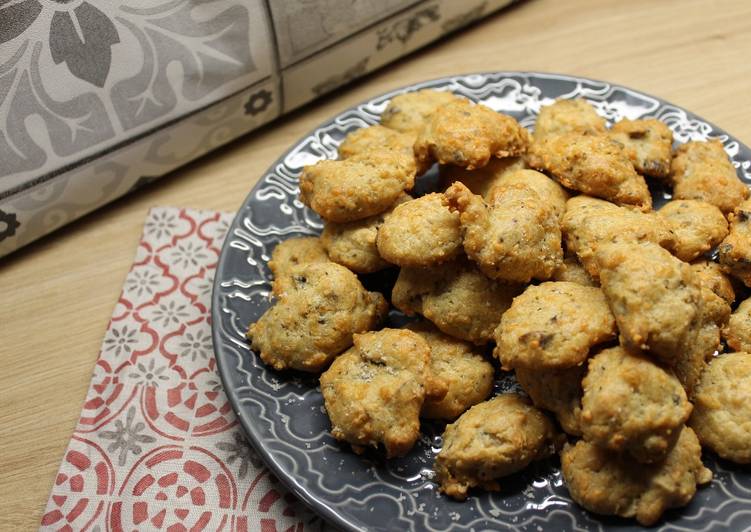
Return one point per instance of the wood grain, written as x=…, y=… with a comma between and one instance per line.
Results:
x=56, y=296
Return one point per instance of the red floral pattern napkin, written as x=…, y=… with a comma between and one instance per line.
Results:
x=157, y=445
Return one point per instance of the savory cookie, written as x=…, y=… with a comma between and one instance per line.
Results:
x=358, y=187
x=571, y=270
x=607, y=483
x=467, y=376
x=553, y=326
x=409, y=112
x=702, y=171
x=738, y=331
x=722, y=407
x=557, y=390
x=315, y=317
x=712, y=276
x=568, y=116
x=420, y=232
x=631, y=404
x=378, y=138
x=480, y=180
x=735, y=250
x=595, y=165
x=466, y=134
x=373, y=393
x=648, y=143
x=447, y=296
x=492, y=440
x=290, y=254
x=698, y=226
x=550, y=192
x=515, y=238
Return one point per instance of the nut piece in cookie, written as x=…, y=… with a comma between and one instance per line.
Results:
x=466, y=134
x=607, y=483
x=738, y=331
x=654, y=296
x=353, y=244
x=590, y=222
x=516, y=238
x=480, y=180
x=358, y=187
x=556, y=390
x=568, y=116
x=420, y=232
x=468, y=377
x=315, y=318
x=631, y=404
x=702, y=171
x=373, y=393
x=378, y=138
x=492, y=440
x=713, y=277
x=698, y=226
x=409, y=112
x=447, y=295
x=735, y=250
x=553, y=326
x=293, y=253
x=648, y=143
x=722, y=407
x=595, y=165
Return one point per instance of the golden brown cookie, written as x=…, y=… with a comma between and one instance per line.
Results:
x=492, y=440
x=315, y=317
x=290, y=254
x=466, y=134
x=447, y=295
x=722, y=407
x=572, y=271
x=698, y=226
x=550, y=192
x=468, y=377
x=611, y=484
x=735, y=250
x=712, y=277
x=654, y=296
x=737, y=333
x=358, y=187
x=379, y=138
x=568, y=116
x=409, y=112
x=353, y=244
x=632, y=405
x=557, y=390
x=648, y=143
x=595, y=165
x=373, y=393
x=553, y=326
x=420, y=232
x=702, y=171
x=480, y=180
x=516, y=238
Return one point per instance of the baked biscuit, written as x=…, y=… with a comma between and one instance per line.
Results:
x=373, y=393
x=553, y=326
x=568, y=116
x=607, y=483
x=353, y=244
x=632, y=405
x=290, y=254
x=447, y=295
x=492, y=440
x=378, y=138
x=516, y=238
x=420, y=232
x=550, y=192
x=702, y=171
x=480, y=180
x=648, y=143
x=315, y=317
x=409, y=112
x=572, y=271
x=595, y=165
x=711, y=276
x=590, y=222
x=556, y=390
x=722, y=407
x=653, y=295
x=358, y=187
x=698, y=227
x=466, y=134
x=735, y=250
x=468, y=377
x=738, y=331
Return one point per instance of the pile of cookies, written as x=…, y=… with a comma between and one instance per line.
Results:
x=546, y=247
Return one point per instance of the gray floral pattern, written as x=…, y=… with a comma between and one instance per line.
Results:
x=127, y=437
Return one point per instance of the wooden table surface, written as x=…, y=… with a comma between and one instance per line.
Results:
x=57, y=294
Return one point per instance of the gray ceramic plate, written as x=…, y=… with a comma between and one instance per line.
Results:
x=283, y=414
